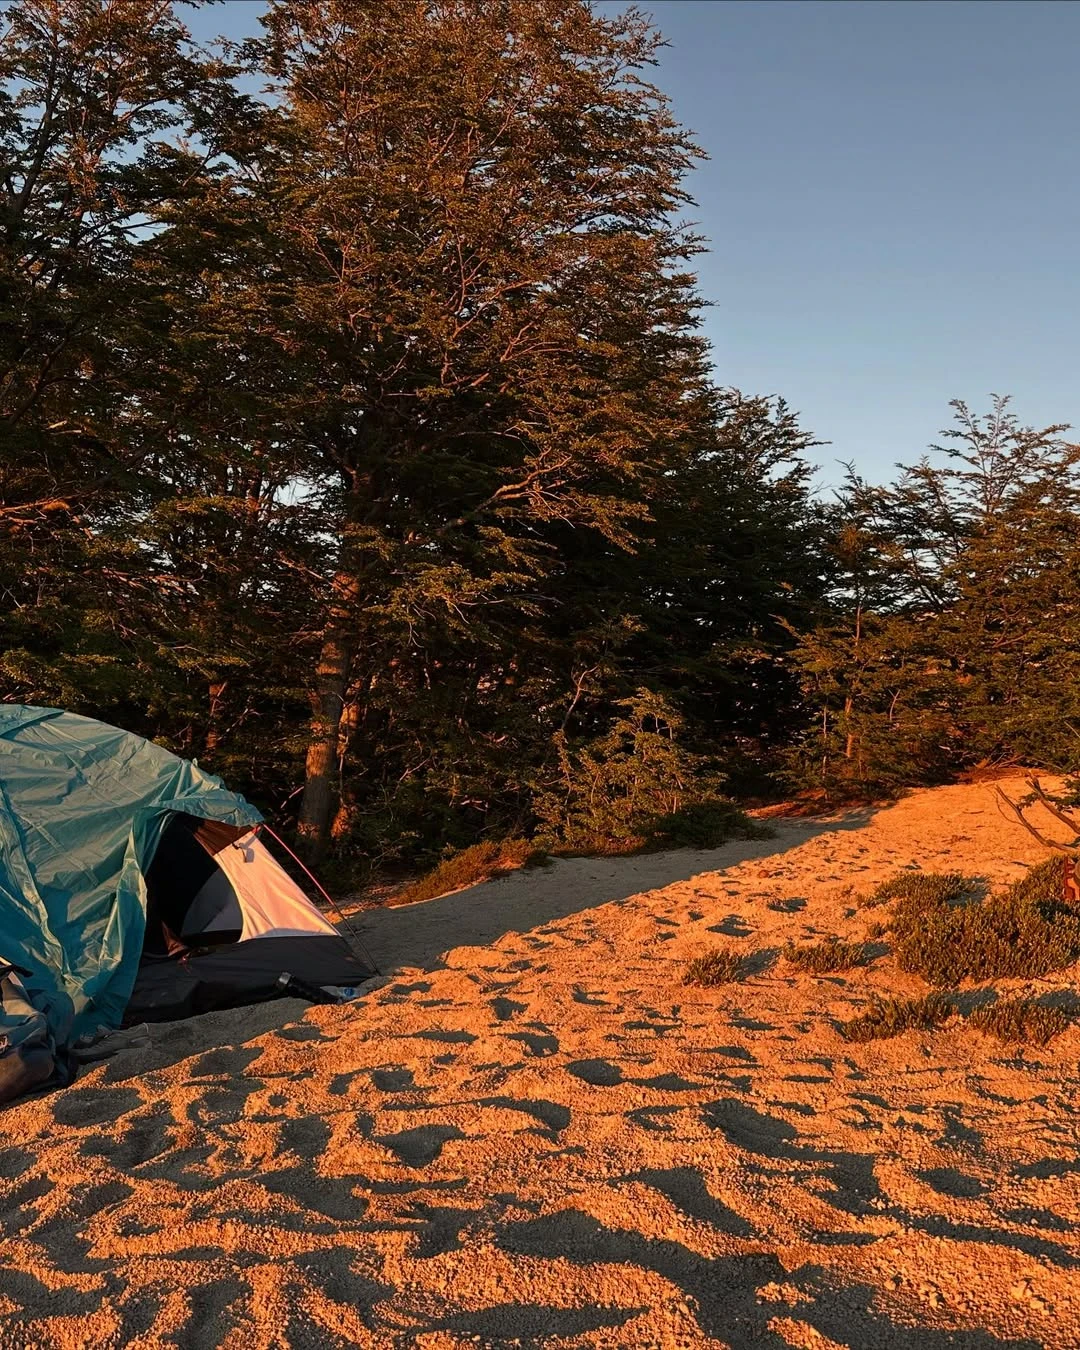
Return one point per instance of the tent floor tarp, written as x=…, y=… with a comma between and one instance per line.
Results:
x=169, y=988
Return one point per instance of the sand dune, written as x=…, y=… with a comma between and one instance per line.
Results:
x=533, y=1134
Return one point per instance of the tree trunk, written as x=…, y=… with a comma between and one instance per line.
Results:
x=332, y=675
x=216, y=690
x=347, y=725
x=849, y=702
x=849, y=739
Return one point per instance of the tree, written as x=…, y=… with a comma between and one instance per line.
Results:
x=736, y=558
x=361, y=433
x=95, y=98
x=969, y=647
x=460, y=226
x=609, y=793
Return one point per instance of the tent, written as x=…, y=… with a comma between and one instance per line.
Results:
x=134, y=887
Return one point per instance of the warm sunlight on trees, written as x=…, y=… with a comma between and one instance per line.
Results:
x=89, y=95
x=472, y=205
x=955, y=640
x=359, y=438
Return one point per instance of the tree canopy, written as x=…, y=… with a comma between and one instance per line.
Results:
x=359, y=437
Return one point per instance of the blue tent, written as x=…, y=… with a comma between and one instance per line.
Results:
x=83, y=807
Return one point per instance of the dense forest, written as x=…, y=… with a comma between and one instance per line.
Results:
x=358, y=438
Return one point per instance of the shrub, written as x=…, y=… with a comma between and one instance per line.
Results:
x=1025, y=931
x=1020, y=1019
x=818, y=958
x=922, y=888
x=1042, y=884
x=704, y=824
x=893, y=1016
x=636, y=787
x=719, y=966
x=480, y=862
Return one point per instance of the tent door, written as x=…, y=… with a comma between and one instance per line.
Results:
x=190, y=901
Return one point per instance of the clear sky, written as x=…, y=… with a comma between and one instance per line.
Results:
x=893, y=204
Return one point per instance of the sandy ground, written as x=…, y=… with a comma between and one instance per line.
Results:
x=533, y=1134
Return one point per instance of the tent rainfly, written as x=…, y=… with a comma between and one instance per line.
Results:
x=133, y=887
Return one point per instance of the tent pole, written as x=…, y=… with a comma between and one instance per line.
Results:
x=335, y=907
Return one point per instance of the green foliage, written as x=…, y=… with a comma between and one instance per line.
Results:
x=1012, y=1020
x=361, y=440
x=893, y=1016
x=1021, y=1020
x=486, y=300
x=1042, y=885
x=818, y=958
x=1025, y=931
x=612, y=792
x=953, y=638
x=736, y=557
x=704, y=825
x=919, y=889
x=95, y=103
x=721, y=965
x=635, y=788
x=270, y=449
x=472, y=865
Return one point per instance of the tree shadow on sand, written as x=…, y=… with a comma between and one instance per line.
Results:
x=418, y=935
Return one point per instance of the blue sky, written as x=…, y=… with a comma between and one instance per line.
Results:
x=892, y=200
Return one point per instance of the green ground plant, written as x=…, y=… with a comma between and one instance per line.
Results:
x=893, y=1016
x=470, y=866
x=922, y=888
x=1020, y=1020
x=704, y=824
x=818, y=958
x=722, y=965
x=944, y=934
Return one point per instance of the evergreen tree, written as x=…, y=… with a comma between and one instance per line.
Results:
x=737, y=558
x=358, y=436
x=461, y=230
x=955, y=640
x=95, y=99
